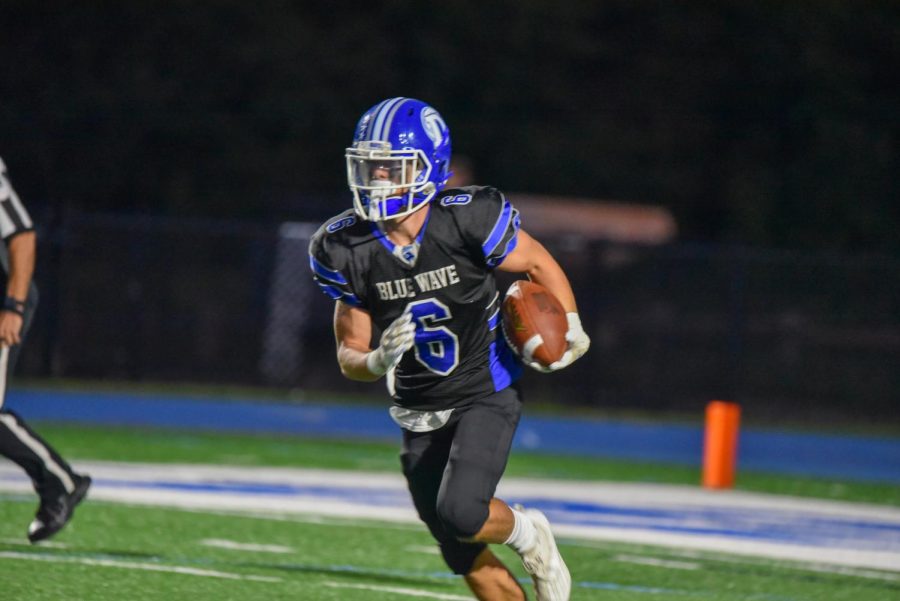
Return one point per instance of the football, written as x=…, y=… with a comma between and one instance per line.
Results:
x=534, y=322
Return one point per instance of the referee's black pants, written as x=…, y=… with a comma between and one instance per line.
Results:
x=49, y=472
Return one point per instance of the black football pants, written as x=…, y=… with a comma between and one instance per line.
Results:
x=49, y=472
x=452, y=472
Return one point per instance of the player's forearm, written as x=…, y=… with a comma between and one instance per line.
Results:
x=352, y=332
x=21, y=264
x=354, y=365
x=541, y=268
x=551, y=276
x=530, y=257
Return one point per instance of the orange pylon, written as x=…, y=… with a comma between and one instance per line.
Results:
x=720, y=444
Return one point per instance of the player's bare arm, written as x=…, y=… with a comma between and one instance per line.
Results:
x=352, y=332
x=530, y=257
x=21, y=268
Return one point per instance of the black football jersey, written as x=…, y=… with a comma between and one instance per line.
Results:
x=448, y=285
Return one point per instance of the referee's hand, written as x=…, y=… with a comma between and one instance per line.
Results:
x=10, y=328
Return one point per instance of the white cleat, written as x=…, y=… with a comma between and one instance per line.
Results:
x=552, y=581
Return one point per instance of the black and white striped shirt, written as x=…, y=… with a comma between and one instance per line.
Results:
x=14, y=218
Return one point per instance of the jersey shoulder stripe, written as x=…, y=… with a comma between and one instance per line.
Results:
x=338, y=293
x=325, y=273
x=330, y=258
x=505, y=233
x=510, y=236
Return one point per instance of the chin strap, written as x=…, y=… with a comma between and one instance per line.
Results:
x=378, y=200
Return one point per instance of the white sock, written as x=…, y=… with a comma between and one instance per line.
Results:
x=523, y=536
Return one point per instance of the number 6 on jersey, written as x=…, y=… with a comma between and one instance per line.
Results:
x=437, y=348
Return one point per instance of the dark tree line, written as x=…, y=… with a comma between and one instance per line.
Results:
x=769, y=123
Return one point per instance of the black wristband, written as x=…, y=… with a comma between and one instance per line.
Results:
x=14, y=305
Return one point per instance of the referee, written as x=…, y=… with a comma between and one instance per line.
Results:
x=60, y=489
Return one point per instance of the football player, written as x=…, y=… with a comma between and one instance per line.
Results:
x=58, y=486
x=415, y=261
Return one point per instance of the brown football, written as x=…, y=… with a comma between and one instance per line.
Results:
x=534, y=322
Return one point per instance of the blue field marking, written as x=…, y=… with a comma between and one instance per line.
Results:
x=824, y=456
x=379, y=497
x=738, y=523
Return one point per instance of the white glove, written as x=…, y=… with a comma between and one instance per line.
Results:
x=396, y=339
x=578, y=345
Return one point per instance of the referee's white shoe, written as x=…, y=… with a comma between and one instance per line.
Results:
x=552, y=581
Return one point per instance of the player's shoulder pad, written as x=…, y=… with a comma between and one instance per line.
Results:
x=472, y=207
x=330, y=253
x=333, y=242
x=485, y=218
x=336, y=233
x=346, y=222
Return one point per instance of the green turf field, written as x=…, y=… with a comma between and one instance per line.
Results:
x=117, y=552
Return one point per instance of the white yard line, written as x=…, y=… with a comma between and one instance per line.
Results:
x=311, y=519
x=430, y=550
x=23, y=542
x=231, y=545
x=657, y=562
x=130, y=565
x=407, y=592
x=831, y=569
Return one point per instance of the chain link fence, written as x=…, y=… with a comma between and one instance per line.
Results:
x=789, y=335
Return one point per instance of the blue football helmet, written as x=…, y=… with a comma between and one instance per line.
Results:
x=399, y=159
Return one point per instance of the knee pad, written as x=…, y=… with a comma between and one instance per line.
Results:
x=460, y=556
x=461, y=515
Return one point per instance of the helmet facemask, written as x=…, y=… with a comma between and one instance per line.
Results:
x=388, y=183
